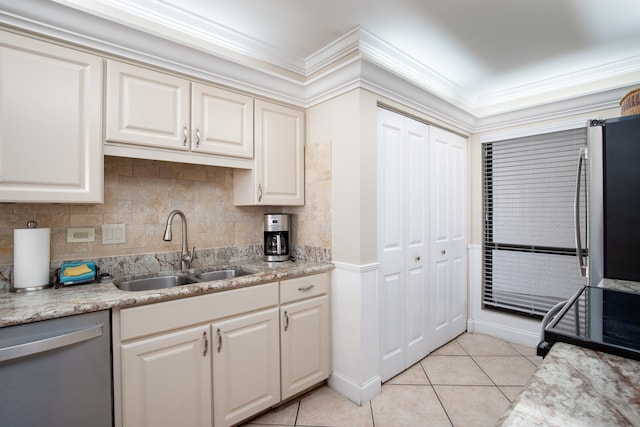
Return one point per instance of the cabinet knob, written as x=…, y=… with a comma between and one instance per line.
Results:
x=443, y=252
x=418, y=258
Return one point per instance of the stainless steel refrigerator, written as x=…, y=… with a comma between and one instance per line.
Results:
x=612, y=201
x=607, y=214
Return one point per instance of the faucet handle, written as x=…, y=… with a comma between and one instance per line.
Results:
x=192, y=256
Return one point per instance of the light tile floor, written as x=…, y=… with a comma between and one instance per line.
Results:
x=467, y=382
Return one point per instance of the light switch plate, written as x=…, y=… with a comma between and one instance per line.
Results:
x=114, y=233
x=81, y=234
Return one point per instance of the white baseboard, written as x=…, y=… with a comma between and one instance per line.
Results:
x=502, y=331
x=357, y=394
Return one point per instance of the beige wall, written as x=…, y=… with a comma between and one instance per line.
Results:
x=141, y=193
x=348, y=123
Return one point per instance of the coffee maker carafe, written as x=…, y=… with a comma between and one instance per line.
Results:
x=276, y=237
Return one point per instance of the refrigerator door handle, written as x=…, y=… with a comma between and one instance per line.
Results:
x=576, y=209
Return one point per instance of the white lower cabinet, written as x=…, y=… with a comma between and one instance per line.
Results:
x=304, y=344
x=166, y=380
x=221, y=358
x=246, y=366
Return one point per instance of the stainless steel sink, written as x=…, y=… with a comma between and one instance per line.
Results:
x=223, y=274
x=155, y=282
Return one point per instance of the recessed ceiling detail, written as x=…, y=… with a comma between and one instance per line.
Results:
x=486, y=58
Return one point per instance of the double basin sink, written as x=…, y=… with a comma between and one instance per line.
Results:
x=149, y=283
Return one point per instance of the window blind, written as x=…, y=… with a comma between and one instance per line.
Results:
x=529, y=251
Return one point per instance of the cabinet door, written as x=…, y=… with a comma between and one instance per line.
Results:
x=246, y=366
x=166, y=380
x=305, y=345
x=146, y=107
x=50, y=123
x=222, y=122
x=277, y=177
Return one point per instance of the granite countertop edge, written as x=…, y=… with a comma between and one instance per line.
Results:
x=51, y=303
x=576, y=386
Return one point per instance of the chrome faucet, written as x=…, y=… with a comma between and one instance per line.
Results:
x=185, y=256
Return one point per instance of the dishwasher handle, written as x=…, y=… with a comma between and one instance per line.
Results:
x=40, y=346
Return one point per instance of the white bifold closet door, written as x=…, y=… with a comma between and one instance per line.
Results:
x=422, y=239
x=403, y=245
x=448, y=260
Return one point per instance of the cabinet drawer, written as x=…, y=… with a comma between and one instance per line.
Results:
x=303, y=287
x=165, y=316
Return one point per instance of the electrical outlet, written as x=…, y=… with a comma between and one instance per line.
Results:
x=114, y=233
x=80, y=235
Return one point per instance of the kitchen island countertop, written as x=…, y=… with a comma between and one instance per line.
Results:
x=51, y=303
x=575, y=386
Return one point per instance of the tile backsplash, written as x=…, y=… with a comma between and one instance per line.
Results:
x=141, y=193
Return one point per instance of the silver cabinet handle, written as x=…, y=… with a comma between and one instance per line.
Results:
x=206, y=344
x=197, y=137
x=576, y=213
x=35, y=347
x=219, y=340
x=305, y=288
x=185, y=133
x=259, y=192
x=286, y=321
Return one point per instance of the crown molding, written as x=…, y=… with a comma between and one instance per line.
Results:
x=359, y=59
x=114, y=40
x=186, y=28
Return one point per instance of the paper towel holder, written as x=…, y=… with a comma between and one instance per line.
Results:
x=20, y=288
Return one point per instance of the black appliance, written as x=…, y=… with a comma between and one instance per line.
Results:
x=599, y=317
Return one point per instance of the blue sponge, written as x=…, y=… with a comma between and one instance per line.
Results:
x=77, y=272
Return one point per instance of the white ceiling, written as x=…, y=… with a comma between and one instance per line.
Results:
x=484, y=52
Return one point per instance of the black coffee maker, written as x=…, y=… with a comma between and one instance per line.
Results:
x=277, y=244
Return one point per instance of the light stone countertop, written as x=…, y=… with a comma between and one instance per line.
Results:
x=575, y=386
x=26, y=307
x=621, y=285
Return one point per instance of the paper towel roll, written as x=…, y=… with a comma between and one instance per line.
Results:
x=31, y=257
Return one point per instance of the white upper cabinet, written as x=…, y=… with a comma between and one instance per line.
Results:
x=159, y=116
x=146, y=107
x=222, y=122
x=277, y=177
x=50, y=123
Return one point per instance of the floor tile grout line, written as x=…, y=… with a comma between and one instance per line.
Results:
x=435, y=392
x=295, y=421
x=441, y=404
x=373, y=418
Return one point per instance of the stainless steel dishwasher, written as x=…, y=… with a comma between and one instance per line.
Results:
x=57, y=372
